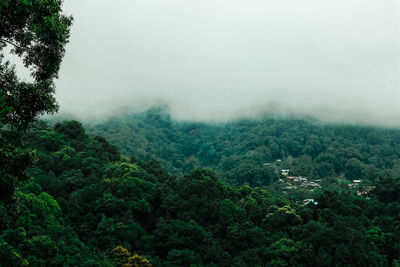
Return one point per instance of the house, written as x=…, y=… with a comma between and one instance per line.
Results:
x=285, y=172
x=310, y=200
x=365, y=191
x=293, y=178
x=289, y=188
x=311, y=185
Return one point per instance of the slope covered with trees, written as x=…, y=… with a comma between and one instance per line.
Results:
x=87, y=205
x=68, y=199
x=238, y=150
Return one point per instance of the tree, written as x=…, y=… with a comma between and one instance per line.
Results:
x=282, y=217
x=37, y=32
x=122, y=257
x=388, y=189
x=286, y=252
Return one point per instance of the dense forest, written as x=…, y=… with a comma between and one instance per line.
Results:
x=88, y=205
x=240, y=193
x=240, y=150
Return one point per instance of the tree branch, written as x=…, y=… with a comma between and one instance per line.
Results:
x=9, y=42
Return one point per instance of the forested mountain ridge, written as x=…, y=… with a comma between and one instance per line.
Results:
x=237, y=150
x=87, y=205
x=69, y=198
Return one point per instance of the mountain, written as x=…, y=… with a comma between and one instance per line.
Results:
x=246, y=151
x=88, y=205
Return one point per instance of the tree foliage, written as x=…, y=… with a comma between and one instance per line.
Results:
x=37, y=32
x=106, y=209
x=245, y=151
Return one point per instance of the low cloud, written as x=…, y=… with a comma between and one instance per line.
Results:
x=218, y=59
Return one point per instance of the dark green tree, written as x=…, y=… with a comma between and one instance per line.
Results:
x=37, y=32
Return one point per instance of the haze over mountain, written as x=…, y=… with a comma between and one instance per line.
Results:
x=215, y=60
x=120, y=182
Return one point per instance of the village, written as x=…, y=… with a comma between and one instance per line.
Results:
x=290, y=183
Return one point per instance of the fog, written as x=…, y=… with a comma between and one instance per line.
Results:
x=212, y=60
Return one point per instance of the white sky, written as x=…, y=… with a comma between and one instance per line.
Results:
x=218, y=59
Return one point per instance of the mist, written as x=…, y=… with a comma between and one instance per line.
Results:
x=336, y=60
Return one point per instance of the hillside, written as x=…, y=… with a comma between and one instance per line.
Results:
x=86, y=205
x=241, y=151
x=256, y=151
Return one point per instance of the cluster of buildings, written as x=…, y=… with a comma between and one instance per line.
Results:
x=361, y=190
x=299, y=181
x=355, y=184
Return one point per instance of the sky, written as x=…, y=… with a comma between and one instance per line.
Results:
x=213, y=60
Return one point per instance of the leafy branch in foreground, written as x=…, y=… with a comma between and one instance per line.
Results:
x=37, y=32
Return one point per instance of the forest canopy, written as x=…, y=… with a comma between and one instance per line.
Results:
x=180, y=193
x=88, y=205
x=254, y=151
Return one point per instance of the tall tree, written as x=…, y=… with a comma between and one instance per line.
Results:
x=37, y=32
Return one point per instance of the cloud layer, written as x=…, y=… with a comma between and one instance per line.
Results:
x=218, y=59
